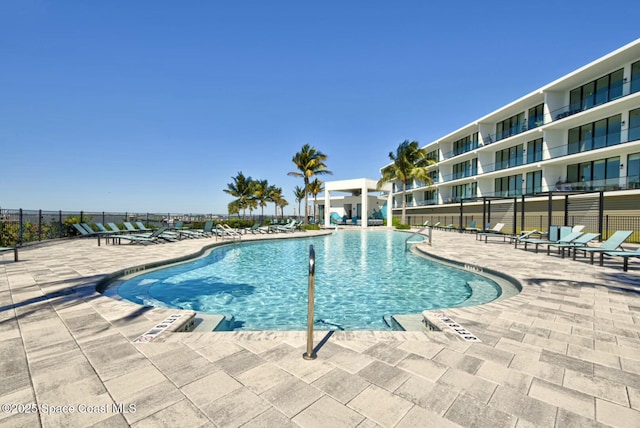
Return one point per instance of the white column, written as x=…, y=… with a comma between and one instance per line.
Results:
x=364, y=196
x=327, y=208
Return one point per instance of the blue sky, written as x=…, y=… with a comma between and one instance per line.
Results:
x=152, y=106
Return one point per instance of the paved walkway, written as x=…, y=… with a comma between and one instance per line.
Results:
x=565, y=352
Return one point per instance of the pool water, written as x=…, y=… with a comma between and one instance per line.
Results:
x=360, y=276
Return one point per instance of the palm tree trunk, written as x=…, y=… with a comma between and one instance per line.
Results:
x=306, y=201
x=404, y=203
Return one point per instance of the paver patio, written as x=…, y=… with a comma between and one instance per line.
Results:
x=564, y=352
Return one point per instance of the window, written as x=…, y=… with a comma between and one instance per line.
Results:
x=469, y=190
x=602, y=174
x=508, y=186
x=633, y=171
x=465, y=169
x=434, y=175
x=635, y=77
x=599, y=91
x=463, y=145
x=634, y=124
x=431, y=197
x=534, y=150
x=508, y=158
x=434, y=156
x=536, y=116
x=534, y=182
x=603, y=133
x=512, y=126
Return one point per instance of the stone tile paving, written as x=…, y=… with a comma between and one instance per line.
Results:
x=564, y=352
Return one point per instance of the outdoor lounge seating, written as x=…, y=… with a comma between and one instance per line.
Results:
x=581, y=241
x=152, y=238
x=563, y=239
x=472, y=228
x=610, y=245
x=523, y=235
x=14, y=249
x=494, y=232
x=141, y=226
x=625, y=255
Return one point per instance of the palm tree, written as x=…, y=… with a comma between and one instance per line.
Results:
x=275, y=195
x=315, y=187
x=261, y=191
x=242, y=189
x=299, y=194
x=282, y=203
x=309, y=162
x=409, y=163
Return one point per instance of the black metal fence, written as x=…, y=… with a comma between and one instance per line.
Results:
x=611, y=223
x=18, y=226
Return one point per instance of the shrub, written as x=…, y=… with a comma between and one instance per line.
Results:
x=396, y=223
x=310, y=227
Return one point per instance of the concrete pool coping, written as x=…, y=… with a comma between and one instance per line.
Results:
x=562, y=352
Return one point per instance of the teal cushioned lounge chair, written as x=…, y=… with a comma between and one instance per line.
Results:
x=610, y=245
x=626, y=255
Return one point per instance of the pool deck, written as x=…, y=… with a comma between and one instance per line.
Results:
x=564, y=352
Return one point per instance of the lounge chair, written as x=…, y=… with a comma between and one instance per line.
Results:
x=153, y=238
x=141, y=226
x=207, y=230
x=289, y=227
x=14, y=249
x=130, y=227
x=115, y=228
x=447, y=227
x=103, y=229
x=224, y=231
x=523, y=235
x=625, y=254
x=495, y=231
x=610, y=245
x=581, y=241
x=84, y=231
x=472, y=227
x=254, y=229
x=564, y=239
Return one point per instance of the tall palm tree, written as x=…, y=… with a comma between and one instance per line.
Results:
x=275, y=195
x=242, y=189
x=299, y=194
x=315, y=187
x=261, y=194
x=409, y=163
x=309, y=162
x=282, y=203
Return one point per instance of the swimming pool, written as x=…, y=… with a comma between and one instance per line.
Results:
x=361, y=276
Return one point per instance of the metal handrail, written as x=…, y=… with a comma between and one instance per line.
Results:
x=310, y=354
x=406, y=241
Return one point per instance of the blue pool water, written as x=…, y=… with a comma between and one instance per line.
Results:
x=360, y=277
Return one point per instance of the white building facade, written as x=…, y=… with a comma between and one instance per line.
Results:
x=580, y=132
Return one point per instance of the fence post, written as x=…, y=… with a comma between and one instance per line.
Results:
x=60, y=224
x=102, y=217
x=81, y=216
x=39, y=225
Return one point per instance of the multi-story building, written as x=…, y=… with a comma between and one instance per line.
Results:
x=580, y=133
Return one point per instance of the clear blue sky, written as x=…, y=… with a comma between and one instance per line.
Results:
x=152, y=106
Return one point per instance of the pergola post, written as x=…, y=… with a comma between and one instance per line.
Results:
x=327, y=208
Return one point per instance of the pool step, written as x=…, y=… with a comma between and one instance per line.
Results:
x=481, y=292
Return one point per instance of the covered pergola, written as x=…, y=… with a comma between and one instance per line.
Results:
x=550, y=196
x=356, y=187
